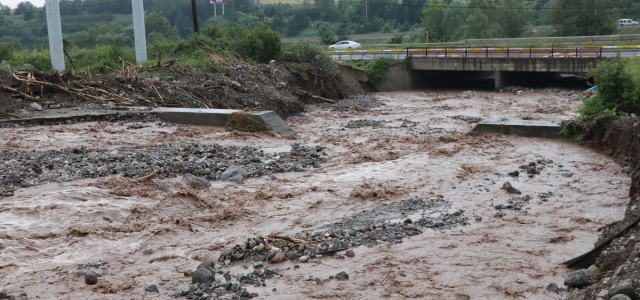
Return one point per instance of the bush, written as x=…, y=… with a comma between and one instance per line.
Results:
x=376, y=68
x=617, y=88
x=313, y=54
x=396, y=39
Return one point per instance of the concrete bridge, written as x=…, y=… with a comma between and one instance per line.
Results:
x=508, y=66
x=506, y=70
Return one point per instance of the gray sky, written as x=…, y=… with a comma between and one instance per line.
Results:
x=14, y=3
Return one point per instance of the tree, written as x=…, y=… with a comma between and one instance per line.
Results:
x=432, y=19
x=585, y=17
x=476, y=25
x=27, y=9
x=157, y=22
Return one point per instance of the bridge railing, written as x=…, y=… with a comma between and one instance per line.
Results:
x=553, y=52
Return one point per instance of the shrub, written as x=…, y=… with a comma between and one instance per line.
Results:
x=617, y=88
x=376, y=68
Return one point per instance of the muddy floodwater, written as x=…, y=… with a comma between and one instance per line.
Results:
x=410, y=144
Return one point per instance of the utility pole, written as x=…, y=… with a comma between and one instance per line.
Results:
x=137, y=10
x=366, y=10
x=215, y=12
x=194, y=11
x=55, y=34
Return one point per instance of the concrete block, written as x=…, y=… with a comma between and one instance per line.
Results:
x=219, y=117
x=526, y=128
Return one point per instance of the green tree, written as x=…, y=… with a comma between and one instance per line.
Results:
x=585, y=17
x=213, y=31
x=157, y=22
x=432, y=19
x=476, y=25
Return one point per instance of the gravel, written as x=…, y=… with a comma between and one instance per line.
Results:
x=30, y=168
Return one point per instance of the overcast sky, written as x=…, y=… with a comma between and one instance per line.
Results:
x=14, y=3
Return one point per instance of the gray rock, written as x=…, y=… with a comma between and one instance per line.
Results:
x=278, y=258
x=14, y=178
x=90, y=277
x=577, y=279
x=202, y=275
x=207, y=264
x=3, y=295
x=35, y=106
x=237, y=179
x=292, y=255
x=342, y=276
x=233, y=171
x=620, y=297
x=148, y=252
x=552, y=287
x=152, y=289
x=514, y=173
x=350, y=253
x=623, y=287
x=198, y=183
x=178, y=294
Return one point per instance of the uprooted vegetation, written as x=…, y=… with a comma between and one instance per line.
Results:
x=228, y=82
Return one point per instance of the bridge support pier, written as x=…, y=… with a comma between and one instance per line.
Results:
x=501, y=79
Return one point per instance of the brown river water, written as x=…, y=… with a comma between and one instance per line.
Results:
x=45, y=231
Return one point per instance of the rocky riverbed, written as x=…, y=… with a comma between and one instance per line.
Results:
x=400, y=211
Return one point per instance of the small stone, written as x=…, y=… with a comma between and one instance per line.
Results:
x=206, y=264
x=131, y=261
x=198, y=183
x=90, y=277
x=514, y=173
x=257, y=264
x=202, y=275
x=552, y=287
x=292, y=255
x=278, y=258
x=35, y=106
x=177, y=294
x=510, y=189
x=304, y=258
x=3, y=295
x=14, y=178
x=604, y=294
x=577, y=279
x=152, y=289
x=148, y=252
x=342, y=276
x=623, y=287
x=478, y=218
x=339, y=256
x=350, y=253
x=232, y=172
x=188, y=273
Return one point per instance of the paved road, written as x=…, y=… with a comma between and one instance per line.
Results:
x=481, y=52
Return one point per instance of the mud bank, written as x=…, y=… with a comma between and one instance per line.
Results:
x=617, y=265
x=415, y=145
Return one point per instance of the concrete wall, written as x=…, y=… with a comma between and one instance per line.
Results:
x=536, y=64
x=397, y=77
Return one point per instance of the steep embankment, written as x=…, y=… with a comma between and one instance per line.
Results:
x=617, y=269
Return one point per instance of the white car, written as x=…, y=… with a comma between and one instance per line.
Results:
x=627, y=22
x=345, y=45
